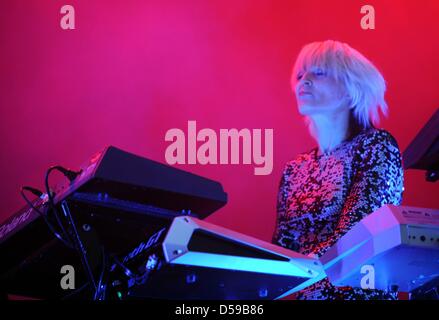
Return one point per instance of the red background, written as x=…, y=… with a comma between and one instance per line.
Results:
x=131, y=70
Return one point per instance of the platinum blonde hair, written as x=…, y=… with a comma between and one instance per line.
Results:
x=363, y=82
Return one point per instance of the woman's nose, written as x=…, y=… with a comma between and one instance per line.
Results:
x=307, y=82
x=306, y=79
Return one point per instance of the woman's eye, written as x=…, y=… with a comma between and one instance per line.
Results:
x=299, y=76
x=319, y=72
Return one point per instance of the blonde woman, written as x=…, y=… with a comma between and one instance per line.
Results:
x=355, y=167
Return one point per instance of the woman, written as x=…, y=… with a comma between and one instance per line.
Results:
x=355, y=169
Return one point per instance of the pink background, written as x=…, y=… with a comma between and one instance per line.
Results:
x=134, y=69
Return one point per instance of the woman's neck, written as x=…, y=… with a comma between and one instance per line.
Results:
x=330, y=129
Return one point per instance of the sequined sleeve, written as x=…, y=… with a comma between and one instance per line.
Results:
x=281, y=204
x=378, y=181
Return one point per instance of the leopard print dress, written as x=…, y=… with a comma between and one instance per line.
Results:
x=322, y=196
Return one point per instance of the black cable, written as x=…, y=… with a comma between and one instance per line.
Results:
x=35, y=191
x=51, y=199
x=79, y=245
x=71, y=175
x=42, y=214
x=125, y=269
x=98, y=292
x=76, y=291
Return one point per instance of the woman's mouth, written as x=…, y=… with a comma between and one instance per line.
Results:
x=304, y=93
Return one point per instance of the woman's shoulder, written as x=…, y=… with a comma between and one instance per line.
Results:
x=378, y=151
x=371, y=140
x=299, y=160
x=374, y=138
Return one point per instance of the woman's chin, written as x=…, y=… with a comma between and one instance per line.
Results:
x=307, y=110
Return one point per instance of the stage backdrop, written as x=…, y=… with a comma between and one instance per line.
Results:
x=132, y=70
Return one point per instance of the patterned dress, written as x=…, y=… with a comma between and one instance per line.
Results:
x=322, y=196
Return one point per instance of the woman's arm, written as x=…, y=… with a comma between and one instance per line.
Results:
x=378, y=181
x=281, y=203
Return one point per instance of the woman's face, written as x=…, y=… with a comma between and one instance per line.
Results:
x=318, y=92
